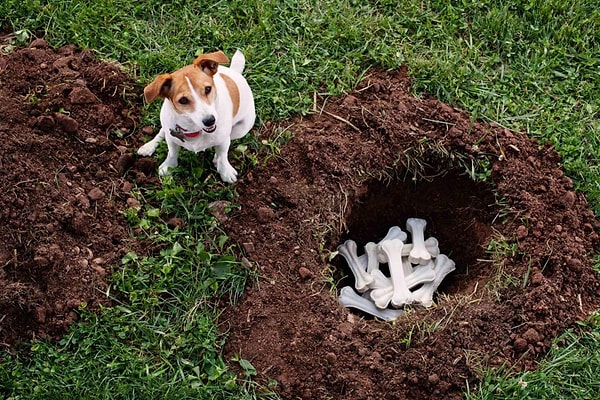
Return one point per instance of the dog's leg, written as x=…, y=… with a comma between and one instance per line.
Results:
x=240, y=129
x=149, y=148
x=227, y=172
x=172, y=159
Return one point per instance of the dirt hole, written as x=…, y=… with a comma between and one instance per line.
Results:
x=459, y=213
x=314, y=195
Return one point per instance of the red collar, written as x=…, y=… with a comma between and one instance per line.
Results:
x=182, y=134
x=185, y=132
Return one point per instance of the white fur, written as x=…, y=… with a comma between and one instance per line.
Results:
x=228, y=126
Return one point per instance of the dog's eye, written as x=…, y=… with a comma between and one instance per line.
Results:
x=207, y=89
x=183, y=100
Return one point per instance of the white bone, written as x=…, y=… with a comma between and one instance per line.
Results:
x=433, y=247
x=380, y=280
x=431, y=244
x=383, y=289
x=350, y=299
x=407, y=267
x=361, y=278
x=393, y=253
x=442, y=267
x=419, y=253
x=393, y=233
x=371, y=254
x=382, y=297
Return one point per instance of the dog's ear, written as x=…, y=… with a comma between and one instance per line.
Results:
x=210, y=62
x=159, y=88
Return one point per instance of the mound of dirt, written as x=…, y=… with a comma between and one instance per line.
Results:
x=367, y=162
x=65, y=126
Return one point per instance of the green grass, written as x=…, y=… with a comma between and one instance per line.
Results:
x=530, y=65
x=570, y=371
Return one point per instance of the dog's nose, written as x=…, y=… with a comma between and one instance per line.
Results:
x=209, y=121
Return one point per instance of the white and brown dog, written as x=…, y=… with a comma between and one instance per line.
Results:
x=205, y=105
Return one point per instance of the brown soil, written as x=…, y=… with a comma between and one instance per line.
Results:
x=364, y=163
x=65, y=128
x=359, y=165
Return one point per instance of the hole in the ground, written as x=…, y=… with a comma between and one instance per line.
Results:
x=459, y=213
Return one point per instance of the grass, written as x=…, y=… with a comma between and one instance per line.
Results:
x=531, y=65
x=570, y=371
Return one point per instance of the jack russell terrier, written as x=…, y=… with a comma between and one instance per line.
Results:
x=205, y=105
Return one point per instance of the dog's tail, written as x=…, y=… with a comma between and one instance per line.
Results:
x=238, y=62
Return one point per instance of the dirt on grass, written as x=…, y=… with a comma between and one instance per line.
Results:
x=66, y=131
x=359, y=165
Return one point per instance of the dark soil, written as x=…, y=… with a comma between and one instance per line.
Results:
x=65, y=130
x=359, y=165
x=364, y=163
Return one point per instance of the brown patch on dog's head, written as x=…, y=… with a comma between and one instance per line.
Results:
x=209, y=63
x=175, y=87
x=160, y=87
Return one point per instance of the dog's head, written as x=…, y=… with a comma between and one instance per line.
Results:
x=191, y=90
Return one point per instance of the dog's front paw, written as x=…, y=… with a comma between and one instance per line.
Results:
x=147, y=149
x=228, y=174
x=165, y=169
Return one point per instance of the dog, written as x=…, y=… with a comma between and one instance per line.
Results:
x=205, y=105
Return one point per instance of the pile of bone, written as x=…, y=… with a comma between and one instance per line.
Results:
x=416, y=271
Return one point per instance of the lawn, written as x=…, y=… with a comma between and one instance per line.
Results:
x=532, y=66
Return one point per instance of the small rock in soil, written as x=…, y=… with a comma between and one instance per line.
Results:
x=68, y=124
x=126, y=187
x=44, y=123
x=133, y=202
x=39, y=44
x=531, y=335
x=82, y=95
x=520, y=344
x=96, y=194
x=265, y=214
x=248, y=247
x=148, y=130
x=522, y=232
x=433, y=379
x=146, y=165
x=175, y=223
x=305, y=273
x=125, y=162
x=331, y=358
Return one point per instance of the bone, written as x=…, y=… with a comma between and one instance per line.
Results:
x=350, y=299
x=393, y=233
x=393, y=250
x=380, y=280
x=442, y=267
x=371, y=254
x=431, y=244
x=407, y=267
x=361, y=278
x=383, y=289
x=418, y=254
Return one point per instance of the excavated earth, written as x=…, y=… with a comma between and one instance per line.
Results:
x=522, y=242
